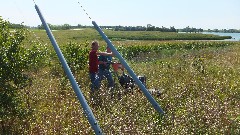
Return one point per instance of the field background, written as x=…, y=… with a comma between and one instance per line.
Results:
x=198, y=80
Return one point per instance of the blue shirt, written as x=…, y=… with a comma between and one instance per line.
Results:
x=107, y=59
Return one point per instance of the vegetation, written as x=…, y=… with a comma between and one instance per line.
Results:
x=63, y=37
x=170, y=48
x=224, y=30
x=129, y=28
x=153, y=35
x=16, y=64
x=198, y=82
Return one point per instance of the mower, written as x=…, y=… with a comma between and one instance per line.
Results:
x=124, y=79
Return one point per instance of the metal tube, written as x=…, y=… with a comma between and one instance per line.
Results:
x=86, y=108
x=130, y=71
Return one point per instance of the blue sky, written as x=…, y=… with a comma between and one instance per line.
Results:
x=213, y=14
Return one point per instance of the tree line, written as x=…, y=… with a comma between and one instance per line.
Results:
x=149, y=27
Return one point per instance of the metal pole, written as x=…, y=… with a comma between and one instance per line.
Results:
x=86, y=108
x=130, y=71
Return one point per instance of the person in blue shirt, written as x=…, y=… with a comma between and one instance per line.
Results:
x=104, y=69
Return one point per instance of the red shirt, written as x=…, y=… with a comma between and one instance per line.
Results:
x=93, y=61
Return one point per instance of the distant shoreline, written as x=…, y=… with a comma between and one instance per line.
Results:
x=235, y=36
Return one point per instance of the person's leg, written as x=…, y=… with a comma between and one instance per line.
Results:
x=109, y=77
x=94, y=81
x=92, y=78
x=100, y=76
x=110, y=80
x=94, y=98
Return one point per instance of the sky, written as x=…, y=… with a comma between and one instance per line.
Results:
x=205, y=14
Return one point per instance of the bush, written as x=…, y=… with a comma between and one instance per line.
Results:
x=15, y=61
x=76, y=55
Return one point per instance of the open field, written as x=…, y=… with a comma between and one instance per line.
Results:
x=65, y=36
x=199, y=83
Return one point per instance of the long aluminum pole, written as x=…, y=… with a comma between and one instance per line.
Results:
x=86, y=108
x=130, y=71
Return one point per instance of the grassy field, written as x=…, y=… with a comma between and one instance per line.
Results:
x=81, y=35
x=199, y=83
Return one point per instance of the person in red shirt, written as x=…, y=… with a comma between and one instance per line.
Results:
x=93, y=65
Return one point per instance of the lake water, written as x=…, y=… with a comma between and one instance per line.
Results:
x=235, y=36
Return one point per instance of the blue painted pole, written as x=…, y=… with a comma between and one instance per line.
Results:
x=130, y=71
x=86, y=108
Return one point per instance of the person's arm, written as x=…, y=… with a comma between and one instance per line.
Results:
x=105, y=54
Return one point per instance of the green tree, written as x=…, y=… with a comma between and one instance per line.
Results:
x=15, y=61
x=76, y=55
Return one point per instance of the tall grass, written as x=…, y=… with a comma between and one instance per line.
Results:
x=199, y=93
x=197, y=85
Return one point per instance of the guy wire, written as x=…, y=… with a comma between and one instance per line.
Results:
x=34, y=2
x=85, y=11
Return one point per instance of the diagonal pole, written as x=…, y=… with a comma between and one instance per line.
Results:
x=86, y=108
x=130, y=71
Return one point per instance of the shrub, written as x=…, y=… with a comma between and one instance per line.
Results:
x=15, y=61
x=76, y=55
